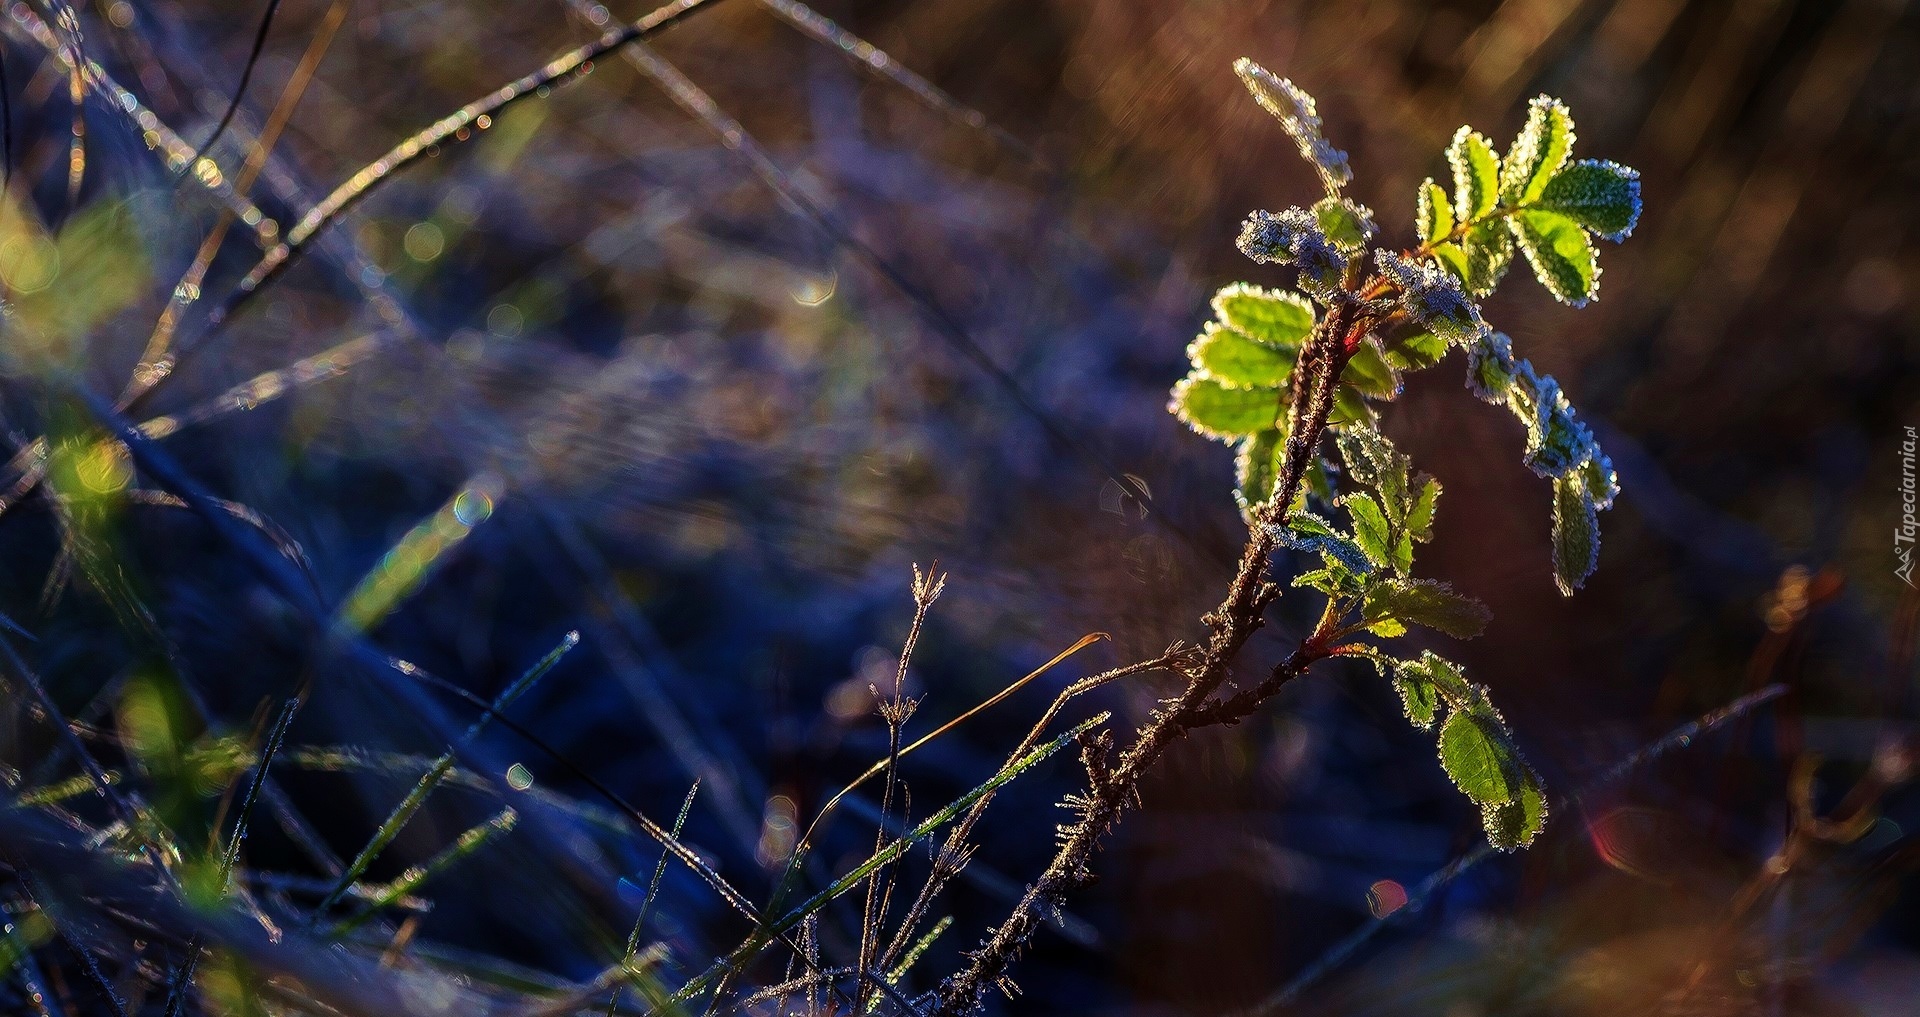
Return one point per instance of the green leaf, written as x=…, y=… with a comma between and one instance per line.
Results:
x=1307, y=525
x=1602, y=483
x=1453, y=259
x=1416, y=351
x=1433, y=214
x=1230, y=357
x=1490, y=369
x=1446, y=677
x=1516, y=823
x=1370, y=529
x=1373, y=462
x=1348, y=224
x=1602, y=196
x=1418, y=696
x=1368, y=372
x=1426, y=602
x=1324, y=580
x=1476, y=175
x=1475, y=753
x=1343, y=557
x=1275, y=317
x=1256, y=468
x=1318, y=483
x=1538, y=153
x=1420, y=520
x=1488, y=250
x=1350, y=408
x=1217, y=411
x=1576, y=533
x=1562, y=256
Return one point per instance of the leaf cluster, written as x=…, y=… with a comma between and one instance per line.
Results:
x=1365, y=573
x=1372, y=319
x=1535, y=199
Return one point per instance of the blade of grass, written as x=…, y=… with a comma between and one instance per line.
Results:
x=402, y=570
x=653, y=889
x=418, y=145
x=744, y=954
x=437, y=772
x=240, y=90
x=412, y=879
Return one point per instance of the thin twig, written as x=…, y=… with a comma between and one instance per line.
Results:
x=1239, y=615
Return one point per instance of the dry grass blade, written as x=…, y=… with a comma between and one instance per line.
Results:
x=417, y=146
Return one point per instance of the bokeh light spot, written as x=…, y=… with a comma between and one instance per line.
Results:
x=29, y=264
x=505, y=320
x=1385, y=897
x=424, y=241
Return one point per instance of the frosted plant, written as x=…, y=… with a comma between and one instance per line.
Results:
x=1278, y=371
x=1355, y=327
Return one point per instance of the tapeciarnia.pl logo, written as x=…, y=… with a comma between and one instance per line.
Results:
x=1903, y=534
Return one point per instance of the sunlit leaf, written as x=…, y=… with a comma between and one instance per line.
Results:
x=1294, y=237
x=1296, y=111
x=1433, y=213
x=1218, y=411
x=1487, y=249
x=1275, y=317
x=1446, y=675
x=1369, y=373
x=1490, y=368
x=1307, y=532
x=1372, y=461
x=1538, y=152
x=1561, y=254
x=1418, y=696
x=1426, y=602
x=1228, y=356
x=1415, y=351
x=1602, y=196
x=1602, y=483
x=1452, y=258
x=1370, y=529
x=1576, y=534
x=1420, y=520
x=1516, y=823
x=1476, y=175
x=1475, y=754
x=1557, y=443
x=1345, y=222
x=1257, y=467
x=1350, y=407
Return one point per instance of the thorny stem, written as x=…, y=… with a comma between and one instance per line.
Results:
x=955, y=852
x=1239, y=615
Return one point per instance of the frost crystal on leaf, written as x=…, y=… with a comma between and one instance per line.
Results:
x=1346, y=222
x=1490, y=367
x=1538, y=152
x=1557, y=444
x=1294, y=237
x=1433, y=298
x=1600, y=195
x=1296, y=112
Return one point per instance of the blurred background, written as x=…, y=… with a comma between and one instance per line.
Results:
x=582, y=367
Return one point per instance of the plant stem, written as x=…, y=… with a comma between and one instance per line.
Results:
x=1239, y=615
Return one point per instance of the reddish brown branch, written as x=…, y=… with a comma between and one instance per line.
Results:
x=1239, y=615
